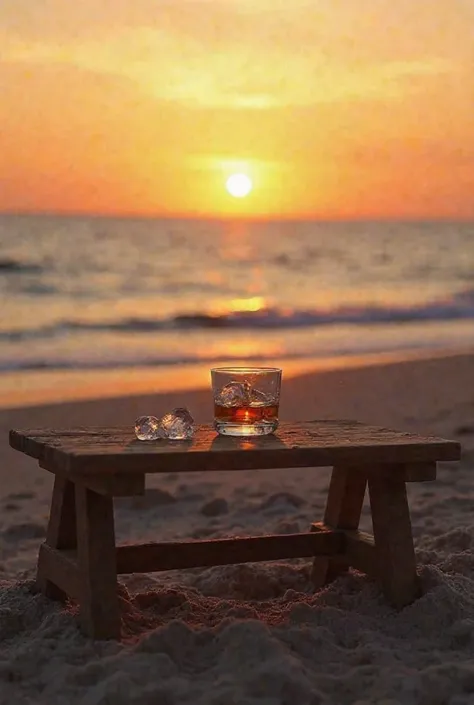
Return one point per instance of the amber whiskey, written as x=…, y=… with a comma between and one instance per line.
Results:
x=247, y=414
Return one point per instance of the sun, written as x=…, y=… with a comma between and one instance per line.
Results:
x=239, y=185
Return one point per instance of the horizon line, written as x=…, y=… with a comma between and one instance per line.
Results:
x=236, y=218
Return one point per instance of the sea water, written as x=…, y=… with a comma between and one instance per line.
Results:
x=100, y=294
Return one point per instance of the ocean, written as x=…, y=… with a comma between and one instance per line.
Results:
x=101, y=294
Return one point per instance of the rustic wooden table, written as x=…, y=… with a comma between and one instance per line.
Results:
x=80, y=558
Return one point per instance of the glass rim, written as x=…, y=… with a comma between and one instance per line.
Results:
x=246, y=370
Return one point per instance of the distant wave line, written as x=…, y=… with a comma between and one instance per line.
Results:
x=9, y=265
x=458, y=307
x=40, y=364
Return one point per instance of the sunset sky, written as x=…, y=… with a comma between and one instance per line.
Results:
x=334, y=108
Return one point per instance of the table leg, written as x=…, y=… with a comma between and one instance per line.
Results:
x=343, y=509
x=99, y=605
x=396, y=563
x=61, y=532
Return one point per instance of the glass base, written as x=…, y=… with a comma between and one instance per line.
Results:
x=262, y=428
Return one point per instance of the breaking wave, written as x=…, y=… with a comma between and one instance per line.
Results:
x=459, y=307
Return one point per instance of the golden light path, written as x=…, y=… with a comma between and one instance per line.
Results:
x=239, y=185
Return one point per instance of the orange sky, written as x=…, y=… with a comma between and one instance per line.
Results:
x=335, y=108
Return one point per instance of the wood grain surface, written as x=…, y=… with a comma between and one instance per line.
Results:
x=315, y=443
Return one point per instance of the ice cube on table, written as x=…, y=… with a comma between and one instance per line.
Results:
x=234, y=394
x=147, y=428
x=178, y=425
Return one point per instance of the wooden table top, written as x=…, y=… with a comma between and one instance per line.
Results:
x=311, y=444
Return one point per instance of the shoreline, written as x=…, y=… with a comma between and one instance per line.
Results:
x=30, y=389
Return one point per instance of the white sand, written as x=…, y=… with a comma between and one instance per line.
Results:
x=254, y=634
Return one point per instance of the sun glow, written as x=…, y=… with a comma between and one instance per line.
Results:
x=236, y=126
x=239, y=185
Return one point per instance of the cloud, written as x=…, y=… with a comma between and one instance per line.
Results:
x=247, y=75
x=359, y=30
x=246, y=54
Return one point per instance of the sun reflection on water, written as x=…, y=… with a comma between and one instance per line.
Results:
x=253, y=303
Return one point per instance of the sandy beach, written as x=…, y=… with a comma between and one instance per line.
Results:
x=253, y=634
